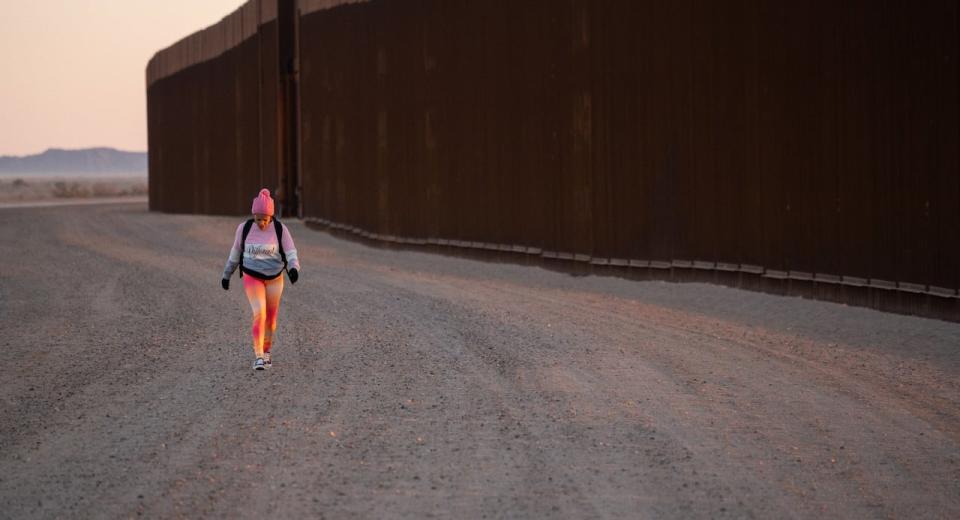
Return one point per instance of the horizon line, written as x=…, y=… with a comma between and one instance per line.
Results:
x=55, y=148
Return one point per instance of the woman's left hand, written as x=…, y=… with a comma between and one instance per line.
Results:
x=294, y=275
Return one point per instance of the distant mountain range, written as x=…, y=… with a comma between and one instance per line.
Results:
x=84, y=162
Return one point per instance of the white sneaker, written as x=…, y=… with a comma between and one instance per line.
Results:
x=258, y=364
x=266, y=360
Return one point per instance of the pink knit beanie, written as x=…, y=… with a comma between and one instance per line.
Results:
x=263, y=204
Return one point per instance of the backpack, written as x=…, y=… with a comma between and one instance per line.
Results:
x=243, y=242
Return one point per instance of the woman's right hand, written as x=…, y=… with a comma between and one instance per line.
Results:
x=225, y=283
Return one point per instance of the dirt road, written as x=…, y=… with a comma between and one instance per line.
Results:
x=412, y=385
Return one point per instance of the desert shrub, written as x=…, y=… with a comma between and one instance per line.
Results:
x=104, y=189
x=69, y=190
x=138, y=189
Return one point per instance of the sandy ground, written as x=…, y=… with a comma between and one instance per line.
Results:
x=410, y=385
x=27, y=189
x=72, y=202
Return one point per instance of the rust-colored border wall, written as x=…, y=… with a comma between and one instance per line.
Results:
x=797, y=147
x=811, y=146
x=212, y=115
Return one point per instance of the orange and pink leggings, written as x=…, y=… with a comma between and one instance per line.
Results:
x=264, y=296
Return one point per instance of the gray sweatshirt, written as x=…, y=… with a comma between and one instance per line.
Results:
x=261, y=254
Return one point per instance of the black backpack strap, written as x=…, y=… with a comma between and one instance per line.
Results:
x=279, y=229
x=243, y=242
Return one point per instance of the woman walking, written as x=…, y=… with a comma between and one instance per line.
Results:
x=262, y=251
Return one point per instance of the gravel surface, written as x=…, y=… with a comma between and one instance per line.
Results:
x=413, y=385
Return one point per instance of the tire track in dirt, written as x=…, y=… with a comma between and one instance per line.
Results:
x=783, y=363
x=413, y=385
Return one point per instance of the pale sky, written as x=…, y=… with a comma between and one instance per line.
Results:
x=72, y=72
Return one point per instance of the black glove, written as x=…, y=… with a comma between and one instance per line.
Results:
x=225, y=283
x=294, y=275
